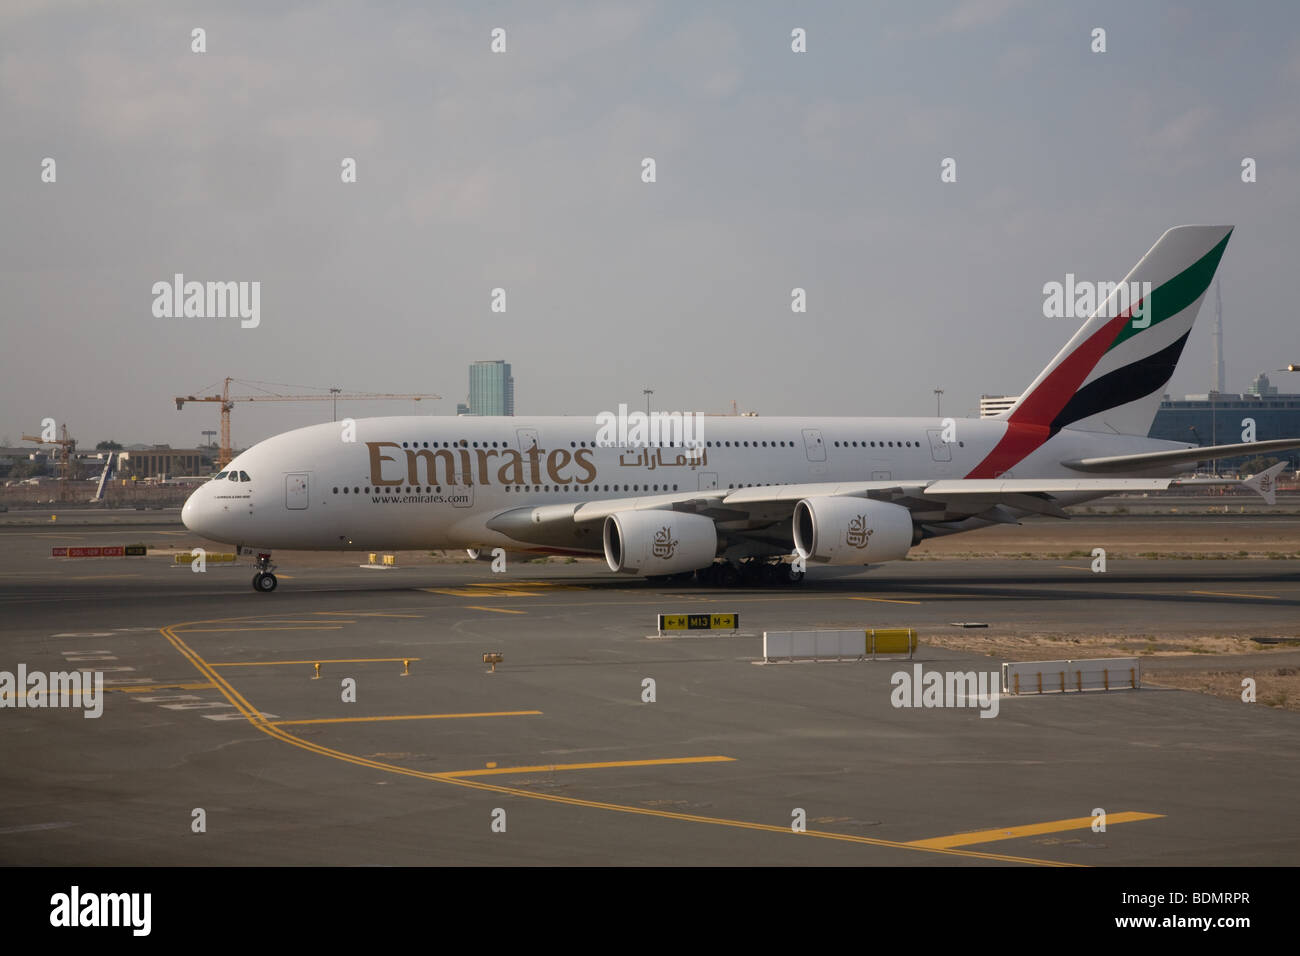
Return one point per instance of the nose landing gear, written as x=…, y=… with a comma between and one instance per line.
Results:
x=264, y=580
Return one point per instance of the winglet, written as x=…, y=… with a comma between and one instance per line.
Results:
x=1265, y=483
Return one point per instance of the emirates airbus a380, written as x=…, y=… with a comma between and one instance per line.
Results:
x=734, y=504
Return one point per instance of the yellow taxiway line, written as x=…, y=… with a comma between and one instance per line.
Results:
x=362, y=720
x=291, y=627
x=883, y=600
x=260, y=722
x=1033, y=829
x=547, y=768
x=342, y=660
x=367, y=614
x=499, y=610
x=1262, y=597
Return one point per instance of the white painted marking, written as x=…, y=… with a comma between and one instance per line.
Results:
x=28, y=827
x=201, y=706
x=238, y=716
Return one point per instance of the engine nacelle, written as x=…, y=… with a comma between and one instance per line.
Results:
x=844, y=530
x=659, y=542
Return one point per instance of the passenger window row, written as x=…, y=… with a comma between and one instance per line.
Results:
x=518, y=489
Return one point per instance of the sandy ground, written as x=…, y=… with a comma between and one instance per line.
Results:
x=1274, y=687
x=1199, y=537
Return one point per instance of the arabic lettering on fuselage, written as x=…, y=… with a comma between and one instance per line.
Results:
x=694, y=457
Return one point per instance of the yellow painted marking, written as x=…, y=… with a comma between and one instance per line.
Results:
x=354, y=720
x=367, y=614
x=883, y=600
x=552, y=585
x=1033, y=829
x=467, y=592
x=586, y=766
x=668, y=595
x=499, y=610
x=342, y=660
x=504, y=589
x=286, y=620
x=1075, y=567
x=259, y=721
x=137, y=688
x=292, y=627
x=1262, y=597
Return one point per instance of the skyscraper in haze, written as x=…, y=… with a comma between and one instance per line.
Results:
x=491, y=388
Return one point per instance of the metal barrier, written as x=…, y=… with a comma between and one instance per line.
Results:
x=210, y=557
x=1060, y=677
x=836, y=645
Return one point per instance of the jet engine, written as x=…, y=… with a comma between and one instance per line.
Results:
x=659, y=542
x=843, y=530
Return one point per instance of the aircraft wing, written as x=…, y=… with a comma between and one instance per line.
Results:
x=763, y=512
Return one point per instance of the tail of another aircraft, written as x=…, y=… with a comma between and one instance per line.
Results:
x=1111, y=376
x=105, y=476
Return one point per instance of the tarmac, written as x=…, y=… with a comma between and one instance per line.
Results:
x=594, y=742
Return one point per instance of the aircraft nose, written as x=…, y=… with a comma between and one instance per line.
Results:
x=190, y=511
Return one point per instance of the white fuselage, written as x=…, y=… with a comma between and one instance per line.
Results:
x=425, y=482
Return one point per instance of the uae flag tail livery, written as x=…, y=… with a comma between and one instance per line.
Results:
x=1110, y=377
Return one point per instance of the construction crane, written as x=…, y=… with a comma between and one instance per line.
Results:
x=67, y=446
x=228, y=402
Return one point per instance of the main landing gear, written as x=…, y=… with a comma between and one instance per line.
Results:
x=264, y=580
x=753, y=573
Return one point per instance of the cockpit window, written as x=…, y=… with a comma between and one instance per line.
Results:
x=233, y=476
x=220, y=476
x=243, y=476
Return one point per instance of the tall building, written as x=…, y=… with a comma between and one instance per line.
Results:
x=1261, y=387
x=491, y=388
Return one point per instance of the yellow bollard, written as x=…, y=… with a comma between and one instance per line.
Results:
x=317, y=677
x=1132, y=678
x=406, y=667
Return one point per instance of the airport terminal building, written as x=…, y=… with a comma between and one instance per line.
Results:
x=1225, y=417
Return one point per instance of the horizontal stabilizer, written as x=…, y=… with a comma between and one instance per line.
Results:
x=1188, y=456
x=1265, y=483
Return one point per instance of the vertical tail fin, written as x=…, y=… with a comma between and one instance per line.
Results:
x=1110, y=377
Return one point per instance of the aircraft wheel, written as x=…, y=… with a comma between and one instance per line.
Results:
x=264, y=581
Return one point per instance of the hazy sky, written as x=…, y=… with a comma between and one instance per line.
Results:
x=522, y=170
